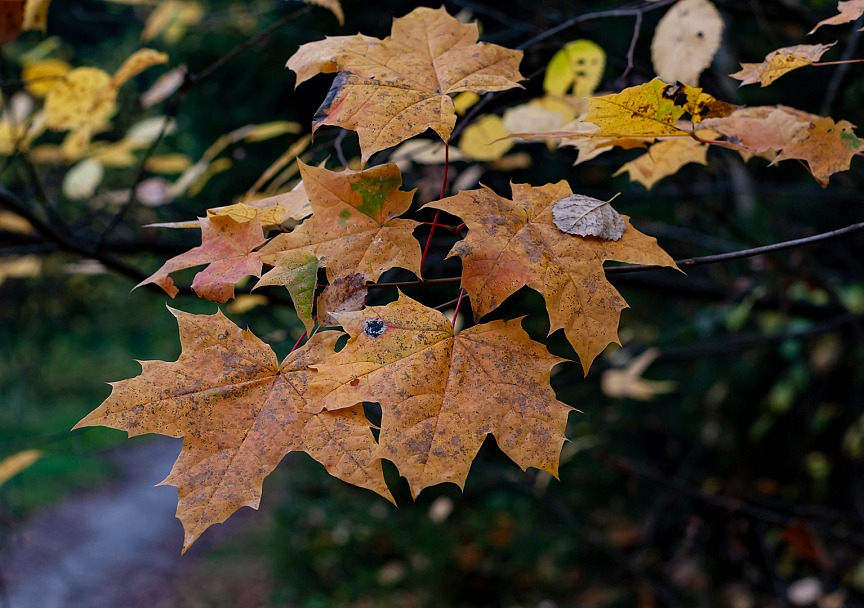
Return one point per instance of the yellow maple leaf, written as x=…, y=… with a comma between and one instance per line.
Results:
x=663, y=159
x=780, y=62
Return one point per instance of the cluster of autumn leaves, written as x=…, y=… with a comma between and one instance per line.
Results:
x=441, y=394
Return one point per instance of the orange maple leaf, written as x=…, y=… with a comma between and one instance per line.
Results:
x=226, y=245
x=514, y=243
x=354, y=226
x=828, y=148
x=239, y=412
x=392, y=89
x=441, y=394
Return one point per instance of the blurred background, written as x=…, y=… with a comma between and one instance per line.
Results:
x=730, y=475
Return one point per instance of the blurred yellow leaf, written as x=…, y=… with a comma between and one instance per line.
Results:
x=246, y=302
x=269, y=130
x=17, y=267
x=14, y=464
x=217, y=166
x=41, y=76
x=579, y=64
x=463, y=101
x=486, y=139
x=12, y=222
x=136, y=63
x=168, y=163
x=82, y=180
x=627, y=383
x=171, y=19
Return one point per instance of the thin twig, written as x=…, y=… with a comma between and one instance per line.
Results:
x=630, y=52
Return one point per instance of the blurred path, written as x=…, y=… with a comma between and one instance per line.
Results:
x=117, y=546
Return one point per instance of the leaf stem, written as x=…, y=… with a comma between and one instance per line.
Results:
x=437, y=213
x=458, y=304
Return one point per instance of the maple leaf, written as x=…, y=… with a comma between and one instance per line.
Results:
x=239, y=412
x=781, y=133
x=828, y=148
x=441, y=394
x=761, y=129
x=663, y=159
x=354, y=228
x=226, y=245
x=297, y=271
x=392, y=89
x=514, y=243
x=849, y=10
x=780, y=62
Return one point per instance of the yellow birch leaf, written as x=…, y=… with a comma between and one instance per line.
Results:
x=486, y=139
x=579, y=64
x=40, y=76
x=463, y=101
x=136, y=63
x=77, y=103
x=168, y=163
x=685, y=41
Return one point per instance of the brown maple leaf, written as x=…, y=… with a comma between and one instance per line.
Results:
x=441, y=394
x=514, y=243
x=239, y=413
x=392, y=89
x=354, y=226
x=227, y=246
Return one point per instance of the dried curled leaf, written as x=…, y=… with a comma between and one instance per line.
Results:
x=849, y=10
x=686, y=40
x=587, y=216
x=515, y=243
x=346, y=294
x=780, y=62
x=390, y=90
x=441, y=394
x=239, y=412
